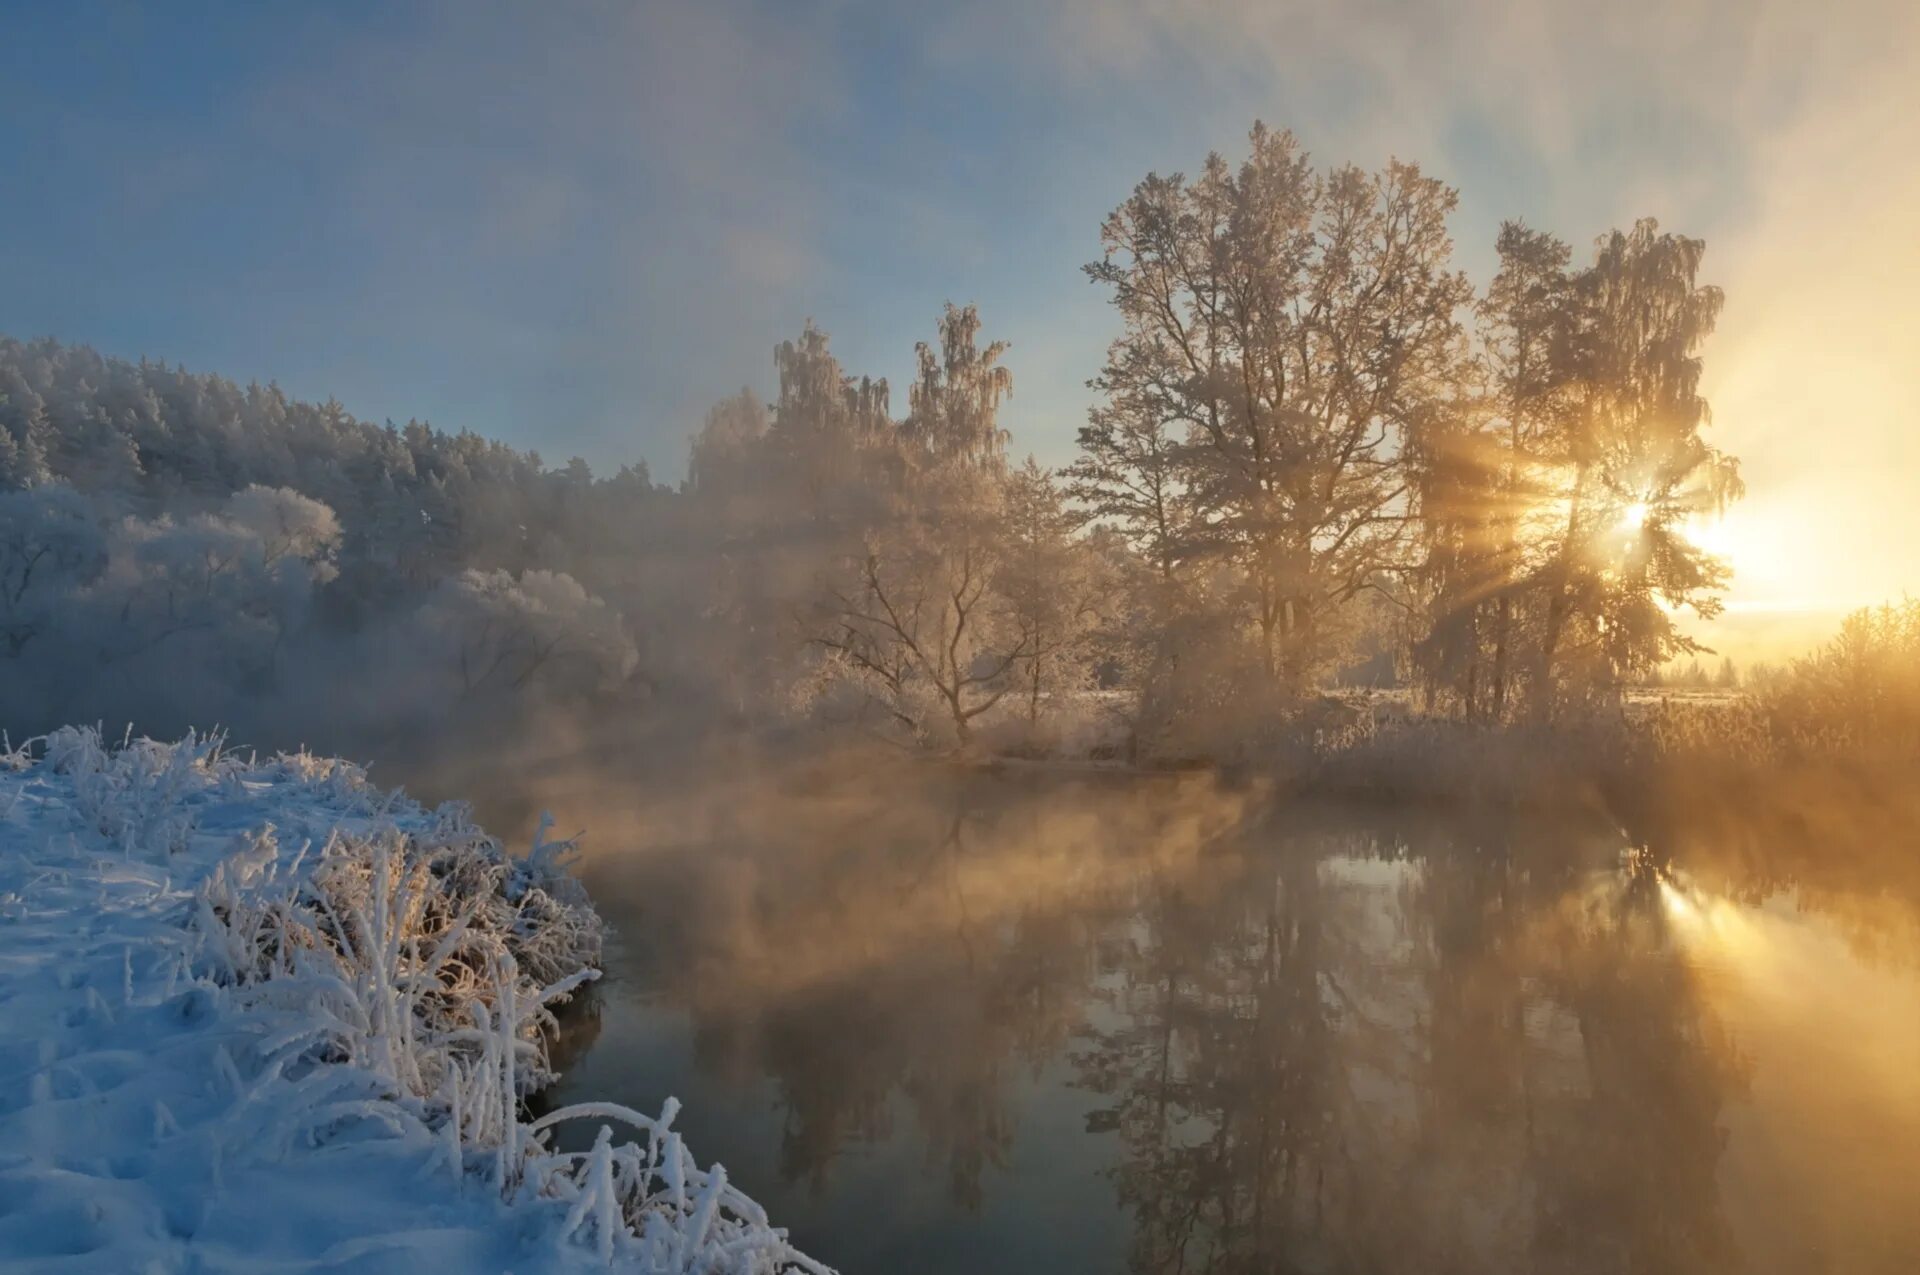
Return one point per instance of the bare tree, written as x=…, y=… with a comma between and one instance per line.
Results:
x=921, y=626
x=915, y=615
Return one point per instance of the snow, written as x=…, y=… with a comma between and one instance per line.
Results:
x=261, y=1016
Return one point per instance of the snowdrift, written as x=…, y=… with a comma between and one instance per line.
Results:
x=260, y=1015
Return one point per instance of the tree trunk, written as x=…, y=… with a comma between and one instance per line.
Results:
x=1549, y=647
x=1502, y=625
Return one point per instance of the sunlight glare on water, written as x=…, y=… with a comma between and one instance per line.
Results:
x=1821, y=1161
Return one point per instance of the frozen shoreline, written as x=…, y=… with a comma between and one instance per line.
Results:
x=260, y=1015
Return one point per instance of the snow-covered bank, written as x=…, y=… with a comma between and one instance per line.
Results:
x=259, y=1015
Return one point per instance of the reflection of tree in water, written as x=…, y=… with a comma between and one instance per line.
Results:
x=908, y=975
x=1358, y=1043
x=1628, y=1163
x=1516, y=1076
x=1219, y=1071
x=931, y=1034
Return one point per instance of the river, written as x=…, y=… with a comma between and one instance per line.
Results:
x=960, y=1023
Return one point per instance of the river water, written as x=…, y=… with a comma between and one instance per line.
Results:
x=974, y=1023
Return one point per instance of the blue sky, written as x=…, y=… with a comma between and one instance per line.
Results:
x=573, y=225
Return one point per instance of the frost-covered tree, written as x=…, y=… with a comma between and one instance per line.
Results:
x=1287, y=325
x=1457, y=471
x=831, y=435
x=1554, y=495
x=492, y=635
x=723, y=452
x=287, y=526
x=1527, y=332
x=1129, y=477
x=911, y=613
x=1484, y=466
x=1055, y=588
x=953, y=405
x=51, y=547
x=1860, y=690
x=1635, y=466
x=24, y=429
x=235, y=582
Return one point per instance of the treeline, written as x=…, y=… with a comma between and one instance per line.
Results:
x=1316, y=445
x=176, y=549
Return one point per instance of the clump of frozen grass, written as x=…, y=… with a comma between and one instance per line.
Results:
x=134, y=794
x=647, y=1200
x=425, y=960
x=394, y=954
x=17, y=757
x=342, y=782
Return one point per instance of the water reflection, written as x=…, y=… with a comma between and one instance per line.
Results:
x=1164, y=1028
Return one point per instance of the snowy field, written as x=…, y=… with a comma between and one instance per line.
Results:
x=261, y=1016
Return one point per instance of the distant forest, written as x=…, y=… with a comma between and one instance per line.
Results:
x=1318, y=452
x=176, y=549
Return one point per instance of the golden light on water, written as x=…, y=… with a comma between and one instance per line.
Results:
x=1678, y=905
x=1710, y=923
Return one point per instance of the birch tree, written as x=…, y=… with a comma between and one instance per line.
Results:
x=1636, y=465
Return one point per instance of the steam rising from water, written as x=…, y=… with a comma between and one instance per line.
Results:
x=1423, y=1040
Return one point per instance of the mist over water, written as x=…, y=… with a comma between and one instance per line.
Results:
x=945, y=1020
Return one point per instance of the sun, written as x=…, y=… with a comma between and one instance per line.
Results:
x=1634, y=517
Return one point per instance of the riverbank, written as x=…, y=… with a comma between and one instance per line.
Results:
x=262, y=1015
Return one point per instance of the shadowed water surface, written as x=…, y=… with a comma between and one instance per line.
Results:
x=979, y=1023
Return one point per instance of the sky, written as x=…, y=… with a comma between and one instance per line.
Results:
x=575, y=225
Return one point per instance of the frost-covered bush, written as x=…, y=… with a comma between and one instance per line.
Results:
x=1206, y=697
x=1858, y=693
x=431, y=961
x=429, y=958
x=50, y=547
x=487, y=634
